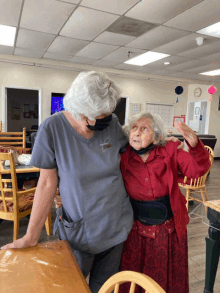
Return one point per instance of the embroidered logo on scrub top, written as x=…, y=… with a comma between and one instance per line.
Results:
x=106, y=145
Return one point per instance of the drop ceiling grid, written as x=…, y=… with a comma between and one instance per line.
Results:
x=73, y=35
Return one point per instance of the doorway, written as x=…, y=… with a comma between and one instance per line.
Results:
x=198, y=116
x=21, y=107
x=122, y=110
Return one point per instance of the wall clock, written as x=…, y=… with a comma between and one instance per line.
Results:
x=197, y=92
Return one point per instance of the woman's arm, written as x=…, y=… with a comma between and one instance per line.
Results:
x=44, y=195
x=194, y=163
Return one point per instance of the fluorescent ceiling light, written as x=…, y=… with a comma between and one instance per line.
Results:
x=146, y=58
x=166, y=63
x=211, y=73
x=212, y=30
x=7, y=35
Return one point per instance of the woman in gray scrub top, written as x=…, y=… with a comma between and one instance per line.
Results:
x=78, y=151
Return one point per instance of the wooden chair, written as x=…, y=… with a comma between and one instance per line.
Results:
x=197, y=185
x=148, y=284
x=0, y=126
x=16, y=204
x=16, y=139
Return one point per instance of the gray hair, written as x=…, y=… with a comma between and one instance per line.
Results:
x=156, y=124
x=91, y=94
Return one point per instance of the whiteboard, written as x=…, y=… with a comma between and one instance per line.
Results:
x=166, y=112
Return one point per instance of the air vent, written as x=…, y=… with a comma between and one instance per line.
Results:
x=130, y=27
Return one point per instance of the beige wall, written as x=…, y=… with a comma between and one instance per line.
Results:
x=52, y=80
x=214, y=114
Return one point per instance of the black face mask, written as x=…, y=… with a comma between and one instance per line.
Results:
x=143, y=151
x=100, y=124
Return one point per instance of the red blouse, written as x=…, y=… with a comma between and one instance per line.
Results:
x=158, y=176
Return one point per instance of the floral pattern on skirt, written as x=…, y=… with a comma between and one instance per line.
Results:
x=162, y=257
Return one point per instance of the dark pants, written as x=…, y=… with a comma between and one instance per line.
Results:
x=101, y=266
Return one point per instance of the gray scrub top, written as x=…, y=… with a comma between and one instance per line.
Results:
x=96, y=212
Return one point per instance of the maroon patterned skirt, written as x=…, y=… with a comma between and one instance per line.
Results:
x=157, y=252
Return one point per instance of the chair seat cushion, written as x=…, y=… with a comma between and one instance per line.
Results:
x=25, y=202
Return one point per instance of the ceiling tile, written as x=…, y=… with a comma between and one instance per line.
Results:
x=188, y=65
x=121, y=55
x=33, y=40
x=70, y=1
x=10, y=12
x=96, y=50
x=67, y=45
x=213, y=57
x=174, y=60
x=188, y=75
x=113, y=6
x=81, y=24
x=82, y=60
x=197, y=17
x=157, y=37
x=6, y=50
x=183, y=44
x=204, y=68
x=163, y=72
x=147, y=69
x=124, y=66
x=55, y=56
x=28, y=53
x=46, y=16
x=113, y=39
x=152, y=11
x=104, y=63
x=202, y=51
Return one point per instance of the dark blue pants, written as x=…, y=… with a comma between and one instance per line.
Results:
x=101, y=266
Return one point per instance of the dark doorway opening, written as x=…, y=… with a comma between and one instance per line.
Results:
x=121, y=110
x=22, y=111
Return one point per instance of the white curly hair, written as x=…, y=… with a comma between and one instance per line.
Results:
x=156, y=124
x=91, y=94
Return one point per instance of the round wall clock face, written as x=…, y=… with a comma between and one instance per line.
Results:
x=197, y=92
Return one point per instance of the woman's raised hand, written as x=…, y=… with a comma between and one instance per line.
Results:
x=187, y=133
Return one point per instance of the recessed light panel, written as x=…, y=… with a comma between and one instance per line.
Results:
x=212, y=73
x=7, y=35
x=212, y=30
x=146, y=58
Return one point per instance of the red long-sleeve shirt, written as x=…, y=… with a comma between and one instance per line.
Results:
x=158, y=176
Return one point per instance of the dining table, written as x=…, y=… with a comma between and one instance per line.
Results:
x=23, y=173
x=48, y=267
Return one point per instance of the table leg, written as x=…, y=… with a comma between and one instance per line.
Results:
x=212, y=257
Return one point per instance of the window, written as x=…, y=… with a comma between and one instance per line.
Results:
x=166, y=112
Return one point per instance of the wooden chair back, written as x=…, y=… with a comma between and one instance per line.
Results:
x=197, y=185
x=15, y=204
x=114, y=282
x=16, y=139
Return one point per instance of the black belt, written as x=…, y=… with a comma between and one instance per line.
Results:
x=152, y=212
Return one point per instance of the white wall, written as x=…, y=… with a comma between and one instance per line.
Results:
x=214, y=116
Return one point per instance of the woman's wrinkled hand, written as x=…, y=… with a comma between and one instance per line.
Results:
x=187, y=133
x=23, y=242
x=174, y=139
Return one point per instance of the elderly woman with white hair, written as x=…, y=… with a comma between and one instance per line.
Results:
x=78, y=151
x=157, y=243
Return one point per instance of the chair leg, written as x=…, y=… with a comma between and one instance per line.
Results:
x=16, y=229
x=206, y=194
x=202, y=195
x=48, y=224
x=187, y=199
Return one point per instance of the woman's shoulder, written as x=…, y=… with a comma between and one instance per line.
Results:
x=169, y=147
